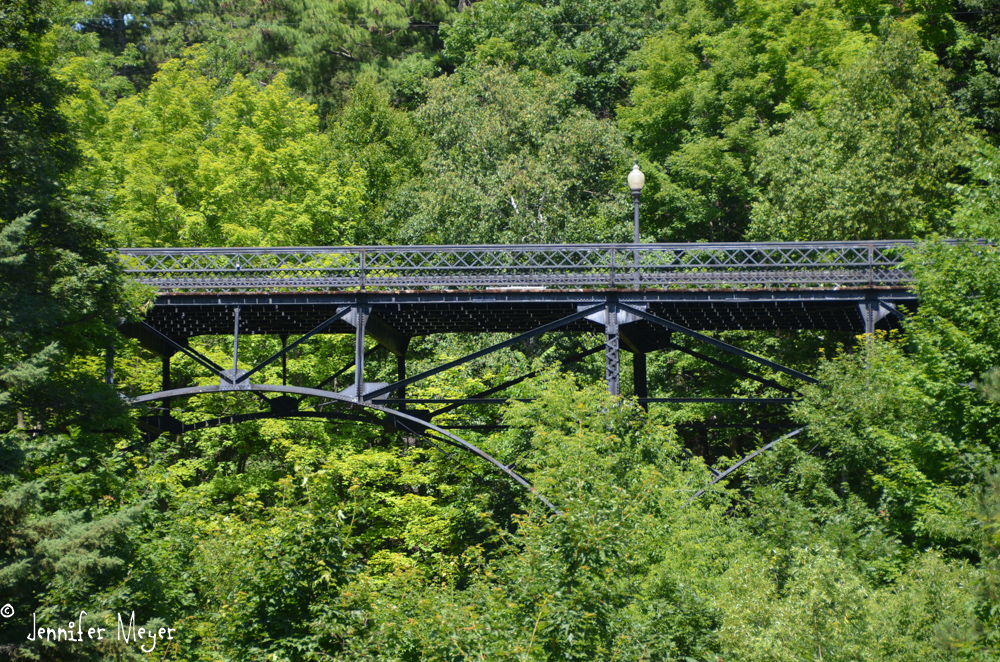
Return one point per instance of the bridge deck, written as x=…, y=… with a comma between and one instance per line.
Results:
x=427, y=313
x=422, y=290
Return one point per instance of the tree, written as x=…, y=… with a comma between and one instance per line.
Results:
x=977, y=215
x=385, y=143
x=320, y=46
x=975, y=60
x=874, y=162
x=189, y=162
x=62, y=295
x=512, y=161
x=586, y=44
x=706, y=91
x=588, y=583
x=324, y=45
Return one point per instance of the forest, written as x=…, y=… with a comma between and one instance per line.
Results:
x=872, y=535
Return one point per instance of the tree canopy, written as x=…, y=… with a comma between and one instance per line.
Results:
x=870, y=535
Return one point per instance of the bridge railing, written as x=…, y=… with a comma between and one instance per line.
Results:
x=552, y=266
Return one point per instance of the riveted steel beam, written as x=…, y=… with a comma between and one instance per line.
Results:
x=287, y=348
x=872, y=311
x=507, y=384
x=197, y=356
x=612, y=345
x=360, y=321
x=348, y=366
x=500, y=401
x=387, y=336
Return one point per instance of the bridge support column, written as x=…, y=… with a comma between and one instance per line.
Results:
x=612, y=343
x=165, y=384
x=284, y=359
x=109, y=365
x=639, y=377
x=872, y=311
x=401, y=376
x=360, y=320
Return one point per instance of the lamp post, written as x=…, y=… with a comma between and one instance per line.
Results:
x=636, y=180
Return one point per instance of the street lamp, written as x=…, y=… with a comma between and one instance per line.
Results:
x=636, y=180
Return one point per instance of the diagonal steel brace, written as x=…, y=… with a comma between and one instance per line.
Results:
x=715, y=342
x=513, y=382
x=730, y=367
x=350, y=364
x=545, y=328
x=197, y=356
x=719, y=475
x=277, y=355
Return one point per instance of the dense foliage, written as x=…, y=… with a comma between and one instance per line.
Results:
x=872, y=535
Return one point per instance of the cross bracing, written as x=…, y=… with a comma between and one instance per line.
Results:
x=637, y=299
x=617, y=266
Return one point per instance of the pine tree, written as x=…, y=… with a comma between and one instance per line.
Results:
x=60, y=294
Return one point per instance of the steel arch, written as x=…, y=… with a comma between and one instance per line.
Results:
x=330, y=395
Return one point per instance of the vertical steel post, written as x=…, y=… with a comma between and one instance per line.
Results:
x=612, y=283
x=165, y=383
x=868, y=311
x=236, y=343
x=109, y=365
x=871, y=265
x=360, y=320
x=639, y=377
x=400, y=376
x=284, y=360
x=611, y=347
x=361, y=272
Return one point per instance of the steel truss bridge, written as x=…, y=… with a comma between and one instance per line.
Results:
x=642, y=298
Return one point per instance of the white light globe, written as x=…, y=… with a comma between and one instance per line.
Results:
x=636, y=180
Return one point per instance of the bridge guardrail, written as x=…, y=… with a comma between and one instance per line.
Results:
x=553, y=266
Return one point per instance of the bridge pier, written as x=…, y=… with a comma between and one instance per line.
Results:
x=400, y=377
x=612, y=345
x=360, y=316
x=165, y=383
x=639, y=377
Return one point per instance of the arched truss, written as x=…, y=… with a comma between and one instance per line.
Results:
x=719, y=475
x=411, y=423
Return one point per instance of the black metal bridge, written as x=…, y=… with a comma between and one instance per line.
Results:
x=640, y=297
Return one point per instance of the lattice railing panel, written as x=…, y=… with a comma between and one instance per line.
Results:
x=654, y=266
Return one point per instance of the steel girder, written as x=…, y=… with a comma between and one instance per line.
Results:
x=613, y=315
x=719, y=344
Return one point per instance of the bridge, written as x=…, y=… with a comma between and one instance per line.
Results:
x=641, y=297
